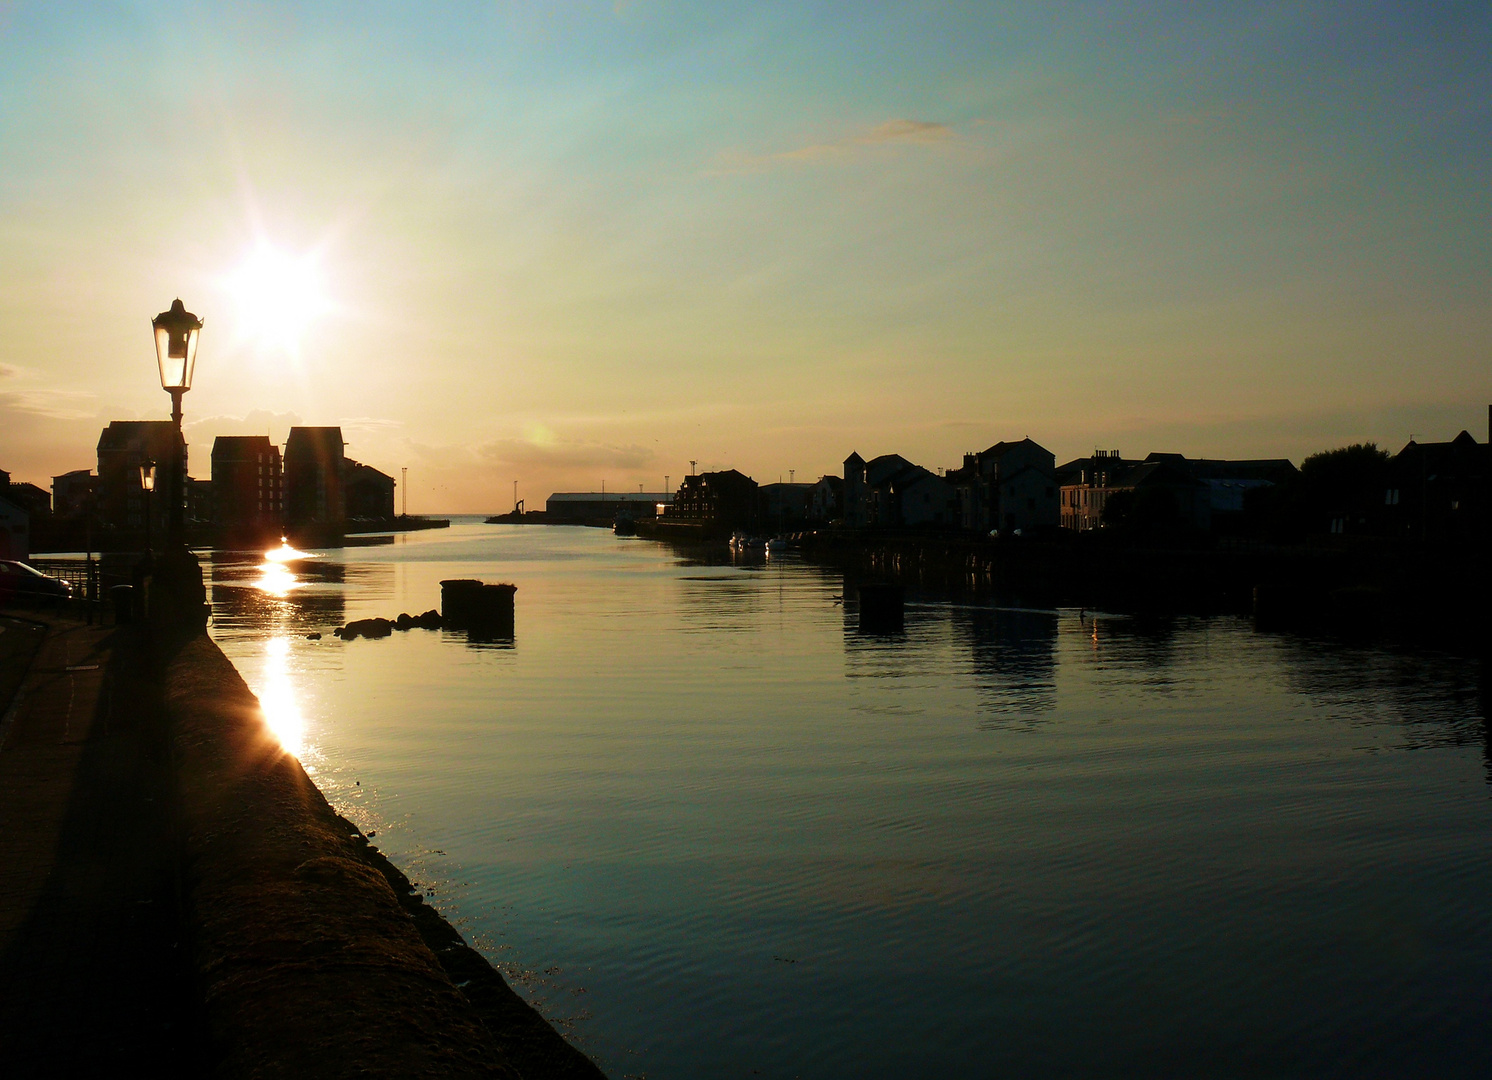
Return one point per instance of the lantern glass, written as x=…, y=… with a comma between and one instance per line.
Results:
x=147, y=475
x=176, y=333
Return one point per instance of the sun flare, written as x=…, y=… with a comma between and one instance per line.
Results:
x=277, y=697
x=278, y=296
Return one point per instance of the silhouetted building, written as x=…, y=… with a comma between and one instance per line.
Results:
x=583, y=506
x=785, y=505
x=72, y=493
x=862, y=479
x=828, y=498
x=1439, y=491
x=246, y=482
x=727, y=499
x=1229, y=482
x=890, y=492
x=1159, y=493
x=369, y=493
x=37, y=502
x=313, y=497
x=1011, y=486
x=15, y=531
x=122, y=446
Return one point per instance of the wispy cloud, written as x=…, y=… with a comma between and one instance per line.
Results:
x=900, y=132
x=370, y=424
x=52, y=404
x=528, y=453
x=257, y=422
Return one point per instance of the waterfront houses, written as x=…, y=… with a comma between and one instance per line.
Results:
x=891, y=492
x=1011, y=488
x=1439, y=491
x=246, y=485
x=73, y=493
x=369, y=493
x=828, y=498
x=723, y=500
x=314, y=499
x=1165, y=492
x=786, y=505
x=122, y=447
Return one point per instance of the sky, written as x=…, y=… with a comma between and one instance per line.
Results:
x=575, y=243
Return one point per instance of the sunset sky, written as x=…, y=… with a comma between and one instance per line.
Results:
x=571, y=242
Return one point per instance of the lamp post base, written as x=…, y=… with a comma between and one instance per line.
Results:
x=178, y=598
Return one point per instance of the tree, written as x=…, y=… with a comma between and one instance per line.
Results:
x=1343, y=485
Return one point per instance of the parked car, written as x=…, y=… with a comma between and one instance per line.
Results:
x=20, y=583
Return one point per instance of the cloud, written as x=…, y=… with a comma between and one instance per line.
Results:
x=891, y=133
x=367, y=424
x=8, y=372
x=527, y=453
x=36, y=445
x=52, y=404
x=258, y=422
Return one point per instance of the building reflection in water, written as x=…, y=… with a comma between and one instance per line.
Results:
x=1014, y=653
x=1434, y=699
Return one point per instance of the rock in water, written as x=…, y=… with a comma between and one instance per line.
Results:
x=368, y=628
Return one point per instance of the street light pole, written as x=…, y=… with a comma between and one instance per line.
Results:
x=177, y=596
x=176, y=520
x=176, y=334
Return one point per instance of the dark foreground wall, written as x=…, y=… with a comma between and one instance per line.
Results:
x=310, y=962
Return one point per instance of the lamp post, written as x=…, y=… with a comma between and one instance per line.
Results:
x=147, y=485
x=176, y=334
x=177, y=599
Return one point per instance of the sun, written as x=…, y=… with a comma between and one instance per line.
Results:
x=278, y=296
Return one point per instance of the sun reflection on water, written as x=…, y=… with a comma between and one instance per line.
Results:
x=277, y=697
x=275, y=576
x=285, y=553
x=277, y=580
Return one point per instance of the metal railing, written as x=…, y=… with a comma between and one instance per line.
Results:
x=90, y=579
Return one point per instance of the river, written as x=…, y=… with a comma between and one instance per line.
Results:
x=712, y=830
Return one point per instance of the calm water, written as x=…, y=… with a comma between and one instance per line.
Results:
x=712, y=830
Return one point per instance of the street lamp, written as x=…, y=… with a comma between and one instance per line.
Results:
x=147, y=485
x=176, y=334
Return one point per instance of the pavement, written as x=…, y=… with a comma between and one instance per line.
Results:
x=94, y=973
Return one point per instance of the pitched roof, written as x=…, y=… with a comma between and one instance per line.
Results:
x=135, y=434
x=881, y=469
x=1001, y=448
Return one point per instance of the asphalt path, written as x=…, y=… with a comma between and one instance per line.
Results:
x=94, y=977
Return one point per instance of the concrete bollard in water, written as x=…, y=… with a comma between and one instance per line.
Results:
x=882, y=608
x=474, y=606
